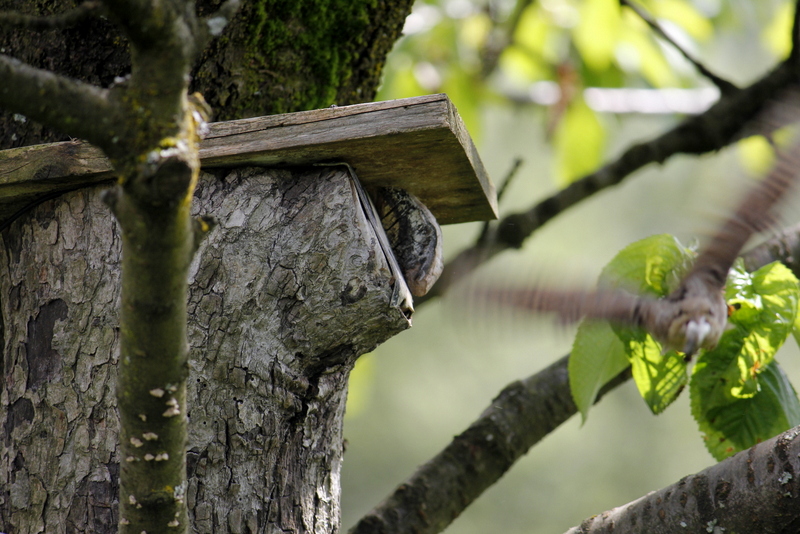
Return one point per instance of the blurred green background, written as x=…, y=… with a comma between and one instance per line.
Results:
x=540, y=81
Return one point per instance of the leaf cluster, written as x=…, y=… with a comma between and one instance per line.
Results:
x=739, y=393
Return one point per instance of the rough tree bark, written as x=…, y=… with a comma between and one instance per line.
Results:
x=280, y=308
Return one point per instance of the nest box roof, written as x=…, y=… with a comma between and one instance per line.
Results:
x=418, y=144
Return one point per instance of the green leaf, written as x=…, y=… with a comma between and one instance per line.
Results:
x=660, y=377
x=778, y=35
x=520, y=65
x=533, y=32
x=596, y=34
x=653, y=265
x=739, y=395
x=579, y=141
x=756, y=154
x=597, y=356
x=796, y=326
x=733, y=427
x=767, y=306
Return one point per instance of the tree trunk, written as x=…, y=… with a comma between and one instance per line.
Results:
x=286, y=292
x=274, y=56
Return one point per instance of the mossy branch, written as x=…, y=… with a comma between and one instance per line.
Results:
x=78, y=108
x=82, y=12
x=158, y=245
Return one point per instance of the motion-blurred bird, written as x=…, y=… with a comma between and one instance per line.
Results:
x=694, y=315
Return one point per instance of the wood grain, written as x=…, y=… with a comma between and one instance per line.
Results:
x=417, y=144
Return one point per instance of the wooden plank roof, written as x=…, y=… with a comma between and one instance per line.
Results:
x=418, y=144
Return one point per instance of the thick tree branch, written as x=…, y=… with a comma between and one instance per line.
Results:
x=755, y=491
x=521, y=415
x=84, y=11
x=147, y=23
x=710, y=131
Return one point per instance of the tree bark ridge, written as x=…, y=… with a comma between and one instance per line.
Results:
x=756, y=490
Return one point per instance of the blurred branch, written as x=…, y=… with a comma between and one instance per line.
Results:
x=521, y=415
x=719, y=126
x=725, y=86
x=500, y=38
x=745, y=493
x=510, y=175
x=213, y=25
x=784, y=247
x=74, y=107
x=67, y=19
x=145, y=24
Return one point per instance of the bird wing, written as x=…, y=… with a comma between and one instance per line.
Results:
x=753, y=215
x=755, y=212
x=572, y=305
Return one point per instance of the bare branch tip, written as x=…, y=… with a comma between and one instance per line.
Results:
x=510, y=175
x=723, y=85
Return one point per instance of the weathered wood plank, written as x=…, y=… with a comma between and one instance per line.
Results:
x=417, y=144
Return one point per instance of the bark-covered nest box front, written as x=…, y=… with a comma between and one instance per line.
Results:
x=417, y=144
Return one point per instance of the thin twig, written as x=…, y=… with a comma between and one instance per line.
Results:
x=85, y=11
x=512, y=172
x=724, y=85
x=500, y=38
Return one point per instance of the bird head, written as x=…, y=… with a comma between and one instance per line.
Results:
x=698, y=324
